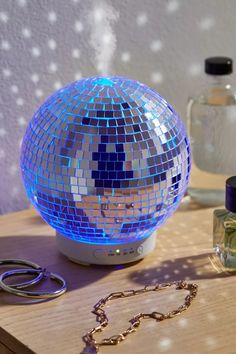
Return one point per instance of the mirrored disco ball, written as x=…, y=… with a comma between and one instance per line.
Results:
x=105, y=160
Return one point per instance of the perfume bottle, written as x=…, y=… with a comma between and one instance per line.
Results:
x=211, y=127
x=224, y=227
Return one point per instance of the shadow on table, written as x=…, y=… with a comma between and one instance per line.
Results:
x=35, y=220
x=188, y=204
x=43, y=251
x=203, y=266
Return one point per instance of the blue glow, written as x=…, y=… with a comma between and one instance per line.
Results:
x=105, y=160
x=119, y=266
x=104, y=81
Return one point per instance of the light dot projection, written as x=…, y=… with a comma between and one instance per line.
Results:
x=3, y=17
x=52, y=17
x=156, y=45
x=26, y=32
x=105, y=160
x=2, y=132
x=35, y=51
x=35, y=78
x=52, y=44
x=125, y=57
x=21, y=121
x=165, y=344
x=75, y=53
x=172, y=6
x=20, y=101
x=78, y=75
x=57, y=85
x=14, y=89
x=6, y=72
x=142, y=19
x=156, y=77
x=79, y=26
x=195, y=69
x=52, y=68
x=207, y=23
x=21, y=3
x=38, y=93
x=2, y=154
x=5, y=45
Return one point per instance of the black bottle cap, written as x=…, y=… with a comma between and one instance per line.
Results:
x=218, y=66
x=230, y=194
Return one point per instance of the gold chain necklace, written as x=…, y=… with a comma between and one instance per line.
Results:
x=92, y=346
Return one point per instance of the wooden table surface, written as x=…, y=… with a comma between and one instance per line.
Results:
x=183, y=251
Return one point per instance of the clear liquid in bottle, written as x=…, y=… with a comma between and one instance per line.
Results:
x=212, y=131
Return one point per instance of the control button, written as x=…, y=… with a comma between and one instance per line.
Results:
x=140, y=250
x=99, y=253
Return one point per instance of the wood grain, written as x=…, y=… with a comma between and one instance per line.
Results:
x=184, y=247
x=4, y=349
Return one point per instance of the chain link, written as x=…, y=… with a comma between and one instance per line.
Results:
x=92, y=346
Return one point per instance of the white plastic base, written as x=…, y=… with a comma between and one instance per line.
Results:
x=87, y=253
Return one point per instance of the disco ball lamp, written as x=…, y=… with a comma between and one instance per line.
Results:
x=105, y=161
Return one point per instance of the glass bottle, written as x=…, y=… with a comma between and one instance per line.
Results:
x=224, y=227
x=212, y=130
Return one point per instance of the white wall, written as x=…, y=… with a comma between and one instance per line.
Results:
x=46, y=43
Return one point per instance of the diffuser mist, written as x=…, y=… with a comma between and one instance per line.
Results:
x=105, y=161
